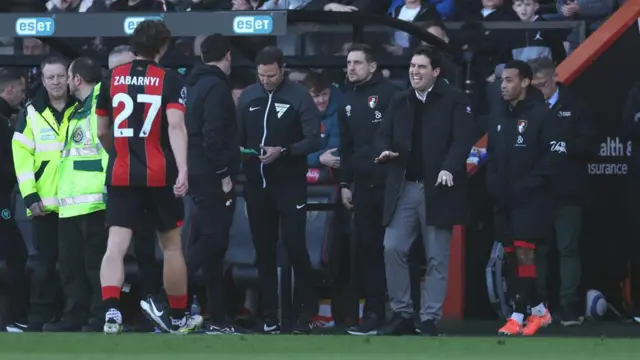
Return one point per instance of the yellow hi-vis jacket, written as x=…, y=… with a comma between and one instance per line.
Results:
x=83, y=163
x=36, y=146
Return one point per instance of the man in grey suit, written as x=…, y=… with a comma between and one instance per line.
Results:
x=424, y=140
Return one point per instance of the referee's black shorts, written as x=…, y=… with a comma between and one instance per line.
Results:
x=130, y=207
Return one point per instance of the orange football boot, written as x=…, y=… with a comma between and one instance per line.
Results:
x=534, y=323
x=512, y=327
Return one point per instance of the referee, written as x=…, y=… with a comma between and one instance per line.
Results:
x=213, y=160
x=280, y=124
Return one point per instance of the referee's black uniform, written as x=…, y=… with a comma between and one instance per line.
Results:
x=284, y=117
x=213, y=156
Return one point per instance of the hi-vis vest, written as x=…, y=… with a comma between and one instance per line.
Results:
x=83, y=163
x=36, y=154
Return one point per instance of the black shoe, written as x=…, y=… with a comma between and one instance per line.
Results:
x=369, y=326
x=219, y=329
x=398, y=325
x=62, y=326
x=160, y=316
x=304, y=325
x=428, y=328
x=569, y=317
x=269, y=326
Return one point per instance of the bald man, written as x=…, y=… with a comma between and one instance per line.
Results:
x=120, y=55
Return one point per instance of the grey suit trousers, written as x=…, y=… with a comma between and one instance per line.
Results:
x=409, y=220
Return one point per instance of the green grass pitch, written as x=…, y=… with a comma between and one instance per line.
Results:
x=272, y=347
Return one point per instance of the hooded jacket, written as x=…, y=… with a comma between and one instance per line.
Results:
x=211, y=123
x=329, y=131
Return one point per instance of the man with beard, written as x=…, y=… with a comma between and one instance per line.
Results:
x=365, y=102
x=523, y=154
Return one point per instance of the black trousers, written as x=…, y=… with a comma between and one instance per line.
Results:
x=14, y=251
x=215, y=212
x=82, y=244
x=369, y=203
x=44, y=281
x=279, y=211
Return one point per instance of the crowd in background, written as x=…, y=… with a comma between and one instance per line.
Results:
x=485, y=50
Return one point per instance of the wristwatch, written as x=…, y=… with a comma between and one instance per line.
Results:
x=284, y=152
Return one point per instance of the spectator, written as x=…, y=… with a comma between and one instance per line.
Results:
x=530, y=44
x=213, y=160
x=69, y=5
x=359, y=117
x=240, y=80
x=572, y=117
x=594, y=12
x=81, y=231
x=12, y=245
x=45, y=123
x=427, y=9
x=410, y=11
x=424, y=139
x=131, y=5
x=283, y=4
x=346, y=5
x=279, y=120
x=327, y=99
x=120, y=55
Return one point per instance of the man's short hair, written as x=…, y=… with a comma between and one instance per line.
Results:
x=316, y=82
x=214, y=48
x=54, y=60
x=434, y=56
x=120, y=49
x=524, y=70
x=9, y=76
x=149, y=37
x=270, y=55
x=542, y=64
x=367, y=50
x=88, y=69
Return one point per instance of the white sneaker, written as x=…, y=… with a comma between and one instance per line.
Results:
x=113, y=322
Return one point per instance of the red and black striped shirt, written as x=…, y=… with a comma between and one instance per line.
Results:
x=136, y=98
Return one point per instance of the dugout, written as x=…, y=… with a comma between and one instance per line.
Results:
x=311, y=41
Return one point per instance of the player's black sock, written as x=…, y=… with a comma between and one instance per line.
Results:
x=111, y=303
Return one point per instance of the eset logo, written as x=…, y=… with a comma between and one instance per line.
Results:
x=41, y=26
x=132, y=22
x=256, y=25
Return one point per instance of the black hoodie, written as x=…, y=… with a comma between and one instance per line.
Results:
x=7, y=171
x=211, y=123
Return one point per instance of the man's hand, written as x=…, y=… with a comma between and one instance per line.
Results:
x=241, y=5
x=227, y=185
x=37, y=209
x=347, y=198
x=182, y=184
x=445, y=178
x=271, y=154
x=329, y=160
x=386, y=156
x=339, y=7
x=570, y=8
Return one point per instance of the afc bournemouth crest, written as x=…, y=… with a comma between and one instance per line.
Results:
x=373, y=101
x=522, y=126
x=78, y=135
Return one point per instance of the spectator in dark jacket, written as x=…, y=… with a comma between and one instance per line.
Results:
x=214, y=158
x=327, y=98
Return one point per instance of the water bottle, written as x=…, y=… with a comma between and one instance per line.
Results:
x=195, y=307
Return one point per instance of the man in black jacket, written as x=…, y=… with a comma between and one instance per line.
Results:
x=12, y=246
x=280, y=126
x=213, y=160
x=573, y=121
x=524, y=152
x=359, y=118
x=425, y=138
